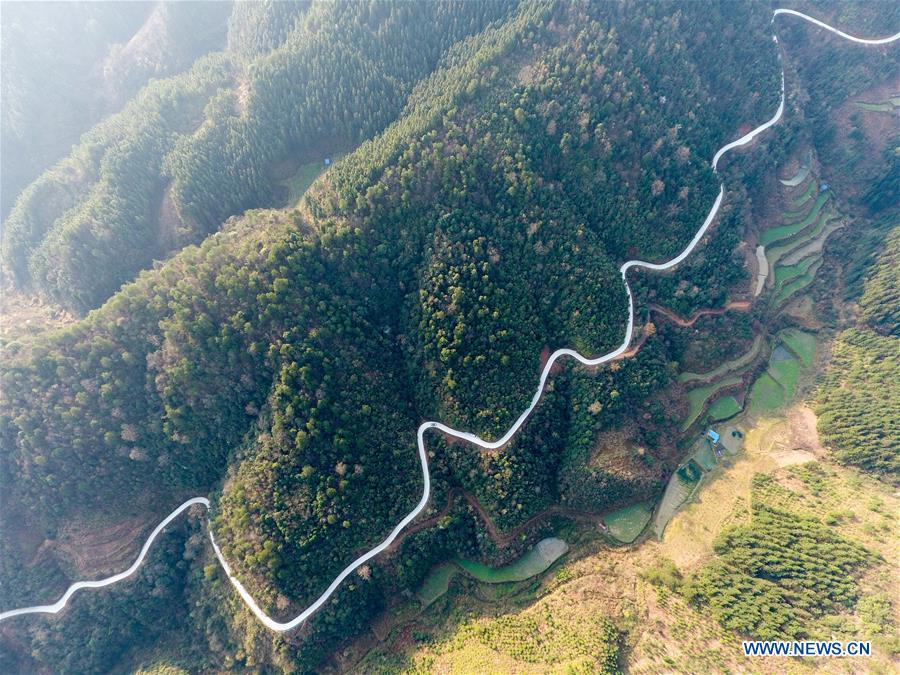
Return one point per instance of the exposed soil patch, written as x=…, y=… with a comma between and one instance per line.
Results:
x=242, y=93
x=91, y=552
x=615, y=452
x=736, y=305
x=24, y=316
x=803, y=430
x=545, y=356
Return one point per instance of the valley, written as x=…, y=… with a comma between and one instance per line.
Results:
x=700, y=409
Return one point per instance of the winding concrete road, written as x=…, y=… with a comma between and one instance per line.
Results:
x=463, y=435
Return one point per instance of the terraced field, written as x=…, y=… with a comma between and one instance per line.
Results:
x=798, y=284
x=806, y=196
x=724, y=408
x=815, y=244
x=729, y=366
x=793, y=226
x=786, y=273
x=794, y=249
x=698, y=397
x=776, y=387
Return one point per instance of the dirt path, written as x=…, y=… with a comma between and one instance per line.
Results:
x=499, y=538
x=736, y=305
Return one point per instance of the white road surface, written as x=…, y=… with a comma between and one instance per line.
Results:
x=463, y=435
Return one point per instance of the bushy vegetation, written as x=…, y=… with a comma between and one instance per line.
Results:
x=858, y=403
x=775, y=575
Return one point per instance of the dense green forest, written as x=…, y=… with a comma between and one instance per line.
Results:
x=201, y=147
x=509, y=158
x=858, y=403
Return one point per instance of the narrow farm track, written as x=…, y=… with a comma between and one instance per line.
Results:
x=498, y=537
x=462, y=435
x=736, y=305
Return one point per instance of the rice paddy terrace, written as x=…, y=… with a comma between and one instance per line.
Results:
x=721, y=393
x=794, y=248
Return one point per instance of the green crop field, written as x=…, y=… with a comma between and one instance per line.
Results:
x=301, y=180
x=697, y=397
x=797, y=284
x=876, y=107
x=785, y=273
x=786, y=371
x=705, y=457
x=537, y=560
x=789, y=230
x=800, y=343
x=775, y=253
x=626, y=524
x=305, y=175
x=766, y=395
x=723, y=408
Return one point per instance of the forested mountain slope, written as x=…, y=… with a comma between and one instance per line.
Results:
x=858, y=402
x=125, y=198
x=67, y=65
x=287, y=361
